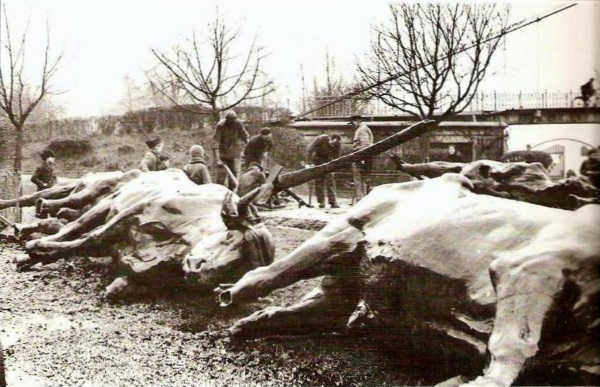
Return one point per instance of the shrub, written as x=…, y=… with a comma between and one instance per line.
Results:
x=112, y=166
x=289, y=149
x=125, y=150
x=70, y=148
x=90, y=162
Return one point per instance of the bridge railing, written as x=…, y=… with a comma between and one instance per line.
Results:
x=521, y=100
x=483, y=101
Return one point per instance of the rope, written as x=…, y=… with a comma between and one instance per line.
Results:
x=517, y=26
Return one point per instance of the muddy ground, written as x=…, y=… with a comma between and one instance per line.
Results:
x=57, y=330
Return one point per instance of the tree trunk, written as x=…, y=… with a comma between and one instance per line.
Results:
x=215, y=112
x=18, y=147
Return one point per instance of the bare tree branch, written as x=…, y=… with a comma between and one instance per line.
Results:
x=211, y=72
x=414, y=50
x=19, y=96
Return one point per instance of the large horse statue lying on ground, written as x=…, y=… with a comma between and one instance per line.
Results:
x=522, y=181
x=149, y=222
x=475, y=276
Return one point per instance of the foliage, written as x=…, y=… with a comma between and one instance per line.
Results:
x=90, y=162
x=290, y=148
x=125, y=149
x=70, y=148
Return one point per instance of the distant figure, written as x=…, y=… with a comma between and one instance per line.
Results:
x=258, y=148
x=44, y=177
x=196, y=169
x=587, y=91
x=363, y=138
x=590, y=168
x=570, y=174
x=321, y=150
x=228, y=135
x=454, y=156
x=152, y=158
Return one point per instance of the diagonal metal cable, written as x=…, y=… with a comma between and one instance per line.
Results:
x=516, y=26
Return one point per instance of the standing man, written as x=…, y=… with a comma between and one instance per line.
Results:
x=153, y=159
x=321, y=150
x=590, y=168
x=258, y=148
x=363, y=138
x=44, y=177
x=228, y=134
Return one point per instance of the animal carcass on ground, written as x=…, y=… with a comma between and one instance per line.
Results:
x=149, y=223
x=475, y=277
x=522, y=181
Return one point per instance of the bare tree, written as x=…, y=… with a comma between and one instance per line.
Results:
x=210, y=71
x=420, y=48
x=333, y=88
x=18, y=95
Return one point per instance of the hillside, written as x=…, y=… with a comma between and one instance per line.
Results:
x=124, y=152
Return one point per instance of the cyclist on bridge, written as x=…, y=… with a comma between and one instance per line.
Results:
x=587, y=91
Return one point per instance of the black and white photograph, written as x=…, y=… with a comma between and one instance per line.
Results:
x=304, y=193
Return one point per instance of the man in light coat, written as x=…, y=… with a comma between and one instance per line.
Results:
x=363, y=138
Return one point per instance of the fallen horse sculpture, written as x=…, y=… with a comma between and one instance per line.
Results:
x=515, y=180
x=151, y=222
x=481, y=276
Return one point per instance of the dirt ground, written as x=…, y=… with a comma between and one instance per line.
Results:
x=58, y=331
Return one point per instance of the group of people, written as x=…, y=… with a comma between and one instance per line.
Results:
x=230, y=133
x=229, y=156
x=236, y=152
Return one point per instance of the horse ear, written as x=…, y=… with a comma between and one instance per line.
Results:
x=229, y=210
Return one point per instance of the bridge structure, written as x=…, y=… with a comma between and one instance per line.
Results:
x=513, y=116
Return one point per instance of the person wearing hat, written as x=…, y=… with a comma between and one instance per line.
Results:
x=196, y=169
x=44, y=177
x=152, y=159
x=323, y=149
x=363, y=138
x=229, y=133
x=257, y=149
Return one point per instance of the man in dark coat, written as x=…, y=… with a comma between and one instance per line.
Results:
x=257, y=149
x=153, y=159
x=227, y=150
x=44, y=177
x=321, y=150
x=454, y=155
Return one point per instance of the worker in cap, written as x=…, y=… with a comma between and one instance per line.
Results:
x=196, y=168
x=230, y=136
x=258, y=148
x=152, y=158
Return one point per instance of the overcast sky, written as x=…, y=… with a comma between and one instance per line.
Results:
x=106, y=40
